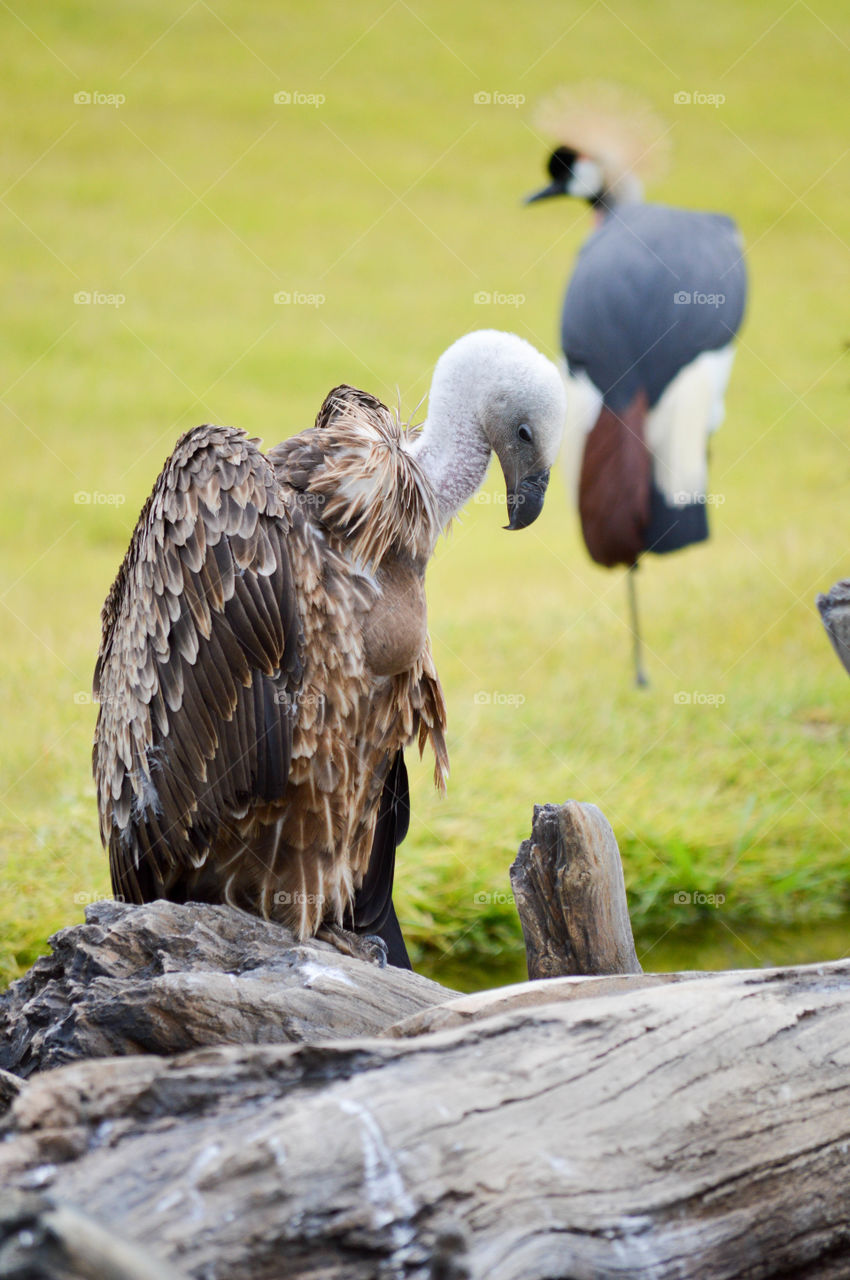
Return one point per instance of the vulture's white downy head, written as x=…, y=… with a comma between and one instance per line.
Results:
x=492, y=391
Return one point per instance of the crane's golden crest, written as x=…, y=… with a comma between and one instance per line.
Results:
x=613, y=125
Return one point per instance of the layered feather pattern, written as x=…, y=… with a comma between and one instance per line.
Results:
x=264, y=660
x=371, y=491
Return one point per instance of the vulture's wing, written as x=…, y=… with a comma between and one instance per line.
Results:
x=198, y=668
x=373, y=904
x=348, y=465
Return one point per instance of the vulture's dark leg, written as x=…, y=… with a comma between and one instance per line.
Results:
x=363, y=946
x=391, y=933
x=637, y=648
x=374, y=914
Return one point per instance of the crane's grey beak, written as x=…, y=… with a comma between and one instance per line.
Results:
x=554, y=189
x=525, y=500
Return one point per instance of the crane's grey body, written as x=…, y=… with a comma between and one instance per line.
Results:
x=654, y=303
x=652, y=288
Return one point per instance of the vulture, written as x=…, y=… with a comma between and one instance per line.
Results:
x=656, y=297
x=265, y=656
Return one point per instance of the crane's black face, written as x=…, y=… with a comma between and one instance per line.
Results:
x=572, y=174
x=560, y=168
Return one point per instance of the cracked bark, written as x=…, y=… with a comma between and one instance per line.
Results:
x=694, y=1128
x=568, y=886
x=296, y=1112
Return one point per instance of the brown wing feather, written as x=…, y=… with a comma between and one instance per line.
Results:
x=197, y=663
x=360, y=481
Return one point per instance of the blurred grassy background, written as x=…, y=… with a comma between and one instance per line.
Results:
x=396, y=198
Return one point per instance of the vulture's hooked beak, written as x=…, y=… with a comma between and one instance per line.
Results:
x=525, y=499
x=554, y=189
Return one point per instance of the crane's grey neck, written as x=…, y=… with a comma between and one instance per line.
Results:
x=454, y=453
x=625, y=189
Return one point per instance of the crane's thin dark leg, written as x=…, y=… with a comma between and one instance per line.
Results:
x=637, y=649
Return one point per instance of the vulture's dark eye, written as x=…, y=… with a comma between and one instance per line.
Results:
x=524, y=432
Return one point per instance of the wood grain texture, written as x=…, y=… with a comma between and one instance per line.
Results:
x=163, y=978
x=570, y=894
x=40, y=1240
x=698, y=1128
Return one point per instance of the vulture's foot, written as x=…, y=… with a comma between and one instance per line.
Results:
x=363, y=946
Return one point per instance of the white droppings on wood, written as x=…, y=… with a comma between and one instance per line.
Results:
x=317, y=975
x=39, y=1177
x=191, y=1192
x=382, y=1178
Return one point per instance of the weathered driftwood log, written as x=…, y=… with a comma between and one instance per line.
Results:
x=625, y=1125
x=40, y=1240
x=164, y=978
x=527, y=996
x=835, y=614
x=698, y=1128
x=568, y=886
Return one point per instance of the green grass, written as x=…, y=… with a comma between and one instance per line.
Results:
x=397, y=200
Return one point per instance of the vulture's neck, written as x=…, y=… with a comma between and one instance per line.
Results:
x=454, y=453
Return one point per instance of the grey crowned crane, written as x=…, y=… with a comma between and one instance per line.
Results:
x=653, y=305
x=265, y=656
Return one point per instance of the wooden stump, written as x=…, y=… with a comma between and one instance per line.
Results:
x=570, y=894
